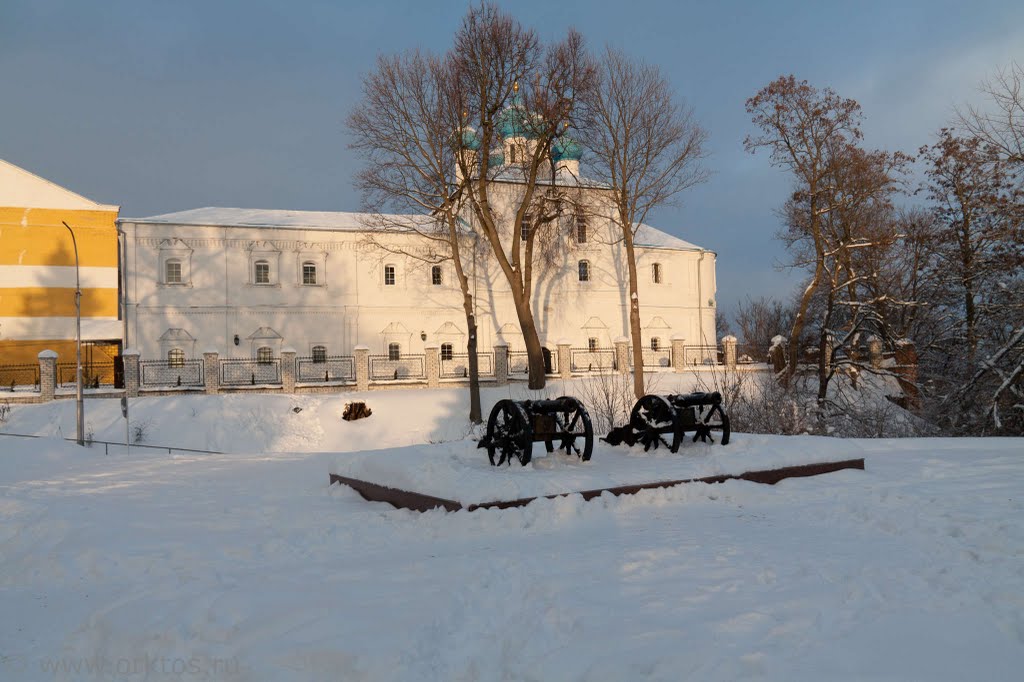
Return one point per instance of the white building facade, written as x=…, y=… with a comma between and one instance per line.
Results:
x=249, y=283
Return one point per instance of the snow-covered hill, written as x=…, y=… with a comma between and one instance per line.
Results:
x=247, y=566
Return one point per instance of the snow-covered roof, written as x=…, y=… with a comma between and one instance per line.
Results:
x=653, y=238
x=23, y=189
x=212, y=216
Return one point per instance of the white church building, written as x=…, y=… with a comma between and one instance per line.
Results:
x=249, y=283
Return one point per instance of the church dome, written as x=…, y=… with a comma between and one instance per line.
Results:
x=566, y=149
x=470, y=140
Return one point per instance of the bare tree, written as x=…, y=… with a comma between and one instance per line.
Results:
x=647, y=148
x=406, y=131
x=515, y=94
x=1001, y=124
x=802, y=127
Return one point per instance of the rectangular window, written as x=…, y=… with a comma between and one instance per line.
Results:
x=394, y=351
x=309, y=273
x=524, y=227
x=656, y=273
x=435, y=275
x=173, y=270
x=389, y=275
x=592, y=344
x=581, y=228
x=261, y=272
x=584, y=270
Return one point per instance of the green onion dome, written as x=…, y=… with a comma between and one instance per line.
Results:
x=566, y=149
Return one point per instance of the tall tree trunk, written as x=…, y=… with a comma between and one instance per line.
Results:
x=634, y=315
x=475, y=410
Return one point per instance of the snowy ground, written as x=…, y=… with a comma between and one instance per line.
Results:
x=248, y=566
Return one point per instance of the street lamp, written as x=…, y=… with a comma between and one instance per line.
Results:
x=79, y=404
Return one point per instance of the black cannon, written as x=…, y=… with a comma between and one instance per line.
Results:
x=514, y=426
x=657, y=418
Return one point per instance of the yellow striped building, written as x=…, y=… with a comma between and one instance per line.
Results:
x=37, y=271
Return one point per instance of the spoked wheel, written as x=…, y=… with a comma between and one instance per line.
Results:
x=578, y=432
x=709, y=419
x=653, y=418
x=508, y=434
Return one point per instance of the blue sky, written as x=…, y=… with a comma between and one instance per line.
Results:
x=166, y=106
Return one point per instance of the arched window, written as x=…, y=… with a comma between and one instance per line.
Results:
x=394, y=351
x=319, y=354
x=175, y=357
x=435, y=275
x=172, y=271
x=265, y=355
x=581, y=228
x=656, y=273
x=655, y=343
x=592, y=344
x=584, y=270
x=309, y=272
x=446, y=351
x=389, y=275
x=261, y=272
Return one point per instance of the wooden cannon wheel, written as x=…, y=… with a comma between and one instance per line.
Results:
x=709, y=419
x=509, y=434
x=653, y=418
x=574, y=421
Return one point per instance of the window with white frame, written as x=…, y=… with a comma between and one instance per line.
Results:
x=320, y=354
x=264, y=355
x=581, y=228
x=389, y=275
x=394, y=351
x=176, y=357
x=655, y=343
x=309, y=273
x=584, y=270
x=261, y=272
x=172, y=271
x=656, y=273
x=435, y=275
x=592, y=344
x=446, y=351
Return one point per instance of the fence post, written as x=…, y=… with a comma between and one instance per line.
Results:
x=211, y=371
x=132, y=378
x=362, y=354
x=288, y=370
x=622, y=356
x=678, y=353
x=564, y=359
x=47, y=374
x=729, y=348
x=433, y=365
x=501, y=363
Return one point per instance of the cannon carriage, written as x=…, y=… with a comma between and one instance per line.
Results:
x=514, y=426
x=666, y=419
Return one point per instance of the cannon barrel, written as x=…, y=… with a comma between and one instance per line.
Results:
x=694, y=399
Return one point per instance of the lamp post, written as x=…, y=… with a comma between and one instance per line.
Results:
x=79, y=405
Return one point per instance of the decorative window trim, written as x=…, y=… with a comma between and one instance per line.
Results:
x=318, y=260
x=265, y=251
x=175, y=250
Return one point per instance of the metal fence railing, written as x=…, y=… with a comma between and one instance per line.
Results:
x=250, y=372
x=457, y=366
x=383, y=368
x=653, y=358
x=161, y=373
x=328, y=368
x=587, y=360
x=94, y=374
x=701, y=355
x=519, y=362
x=12, y=376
